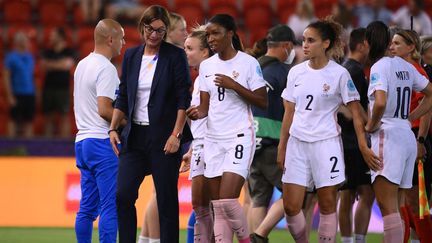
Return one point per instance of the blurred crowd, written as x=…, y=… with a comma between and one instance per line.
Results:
x=42, y=40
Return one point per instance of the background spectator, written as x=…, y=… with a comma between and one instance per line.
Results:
x=372, y=10
x=302, y=17
x=421, y=23
x=57, y=61
x=19, y=86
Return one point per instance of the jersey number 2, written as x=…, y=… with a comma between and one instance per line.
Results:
x=310, y=97
x=335, y=160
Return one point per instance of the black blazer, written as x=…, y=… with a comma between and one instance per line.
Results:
x=169, y=91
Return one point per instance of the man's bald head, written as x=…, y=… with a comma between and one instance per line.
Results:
x=106, y=28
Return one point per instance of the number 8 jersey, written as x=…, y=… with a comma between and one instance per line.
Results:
x=317, y=94
x=397, y=78
x=229, y=114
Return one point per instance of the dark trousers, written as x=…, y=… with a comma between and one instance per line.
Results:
x=141, y=158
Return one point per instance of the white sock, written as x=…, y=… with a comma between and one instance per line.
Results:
x=346, y=239
x=415, y=241
x=143, y=239
x=360, y=238
x=154, y=241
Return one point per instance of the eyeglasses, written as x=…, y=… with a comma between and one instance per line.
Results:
x=149, y=29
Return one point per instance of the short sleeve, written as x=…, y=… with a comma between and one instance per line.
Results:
x=256, y=80
x=202, y=81
x=347, y=88
x=378, y=79
x=420, y=81
x=107, y=82
x=288, y=92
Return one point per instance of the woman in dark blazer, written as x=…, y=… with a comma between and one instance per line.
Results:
x=153, y=97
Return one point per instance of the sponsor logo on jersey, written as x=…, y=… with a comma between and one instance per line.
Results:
x=259, y=71
x=351, y=86
x=374, y=78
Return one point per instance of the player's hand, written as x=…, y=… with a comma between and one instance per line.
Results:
x=185, y=162
x=280, y=159
x=224, y=81
x=372, y=128
x=172, y=145
x=115, y=142
x=374, y=162
x=421, y=151
x=193, y=112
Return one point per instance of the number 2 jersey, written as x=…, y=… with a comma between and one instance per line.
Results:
x=397, y=78
x=229, y=114
x=317, y=94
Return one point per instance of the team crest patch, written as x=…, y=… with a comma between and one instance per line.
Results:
x=259, y=71
x=235, y=74
x=351, y=86
x=374, y=78
x=326, y=88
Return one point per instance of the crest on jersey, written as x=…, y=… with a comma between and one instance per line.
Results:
x=235, y=74
x=326, y=88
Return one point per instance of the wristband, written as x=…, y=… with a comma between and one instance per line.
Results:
x=421, y=140
x=112, y=130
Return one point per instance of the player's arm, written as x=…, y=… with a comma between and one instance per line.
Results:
x=64, y=64
x=373, y=161
x=377, y=111
x=284, y=133
x=201, y=111
x=424, y=106
x=8, y=87
x=257, y=97
x=117, y=117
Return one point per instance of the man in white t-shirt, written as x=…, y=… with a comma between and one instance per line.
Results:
x=95, y=84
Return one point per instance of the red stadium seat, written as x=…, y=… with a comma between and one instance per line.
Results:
x=223, y=6
x=323, y=7
x=193, y=15
x=85, y=48
x=85, y=33
x=17, y=12
x=394, y=5
x=52, y=13
x=78, y=16
x=254, y=8
x=132, y=34
x=257, y=34
x=163, y=3
x=284, y=9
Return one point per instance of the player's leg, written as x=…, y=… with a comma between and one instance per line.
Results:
x=346, y=201
x=363, y=212
x=89, y=202
x=292, y=200
x=328, y=218
x=150, y=229
x=105, y=167
x=203, y=228
x=274, y=215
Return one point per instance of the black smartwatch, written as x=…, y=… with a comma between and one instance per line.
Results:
x=421, y=140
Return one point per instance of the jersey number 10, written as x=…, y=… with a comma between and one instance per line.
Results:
x=403, y=102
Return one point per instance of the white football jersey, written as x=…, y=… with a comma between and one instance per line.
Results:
x=317, y=95
x=94, y=76
x=398, y=79
x=228, y=113
x=198, y=127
